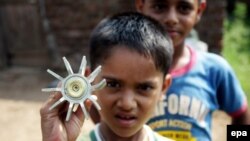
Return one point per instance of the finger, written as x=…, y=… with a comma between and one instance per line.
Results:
x=55, y=96
x=79, y=113
x=88, y=104
x=83, y=110
x=52, y=99
x=87, y=71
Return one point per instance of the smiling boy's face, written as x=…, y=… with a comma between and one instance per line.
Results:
x=134, y=86
x=177, y=16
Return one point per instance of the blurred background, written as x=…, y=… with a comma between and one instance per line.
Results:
x=36, y=34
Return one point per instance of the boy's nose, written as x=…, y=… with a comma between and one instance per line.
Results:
x=171, y=17
x=127, y=101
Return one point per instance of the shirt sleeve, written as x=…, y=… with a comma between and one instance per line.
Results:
x=230, y=95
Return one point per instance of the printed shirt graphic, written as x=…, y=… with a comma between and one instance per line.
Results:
x=206, y=84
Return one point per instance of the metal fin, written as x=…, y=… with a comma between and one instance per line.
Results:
x=57, y=103
x=67, y=65
x=95, y=103
x=99, y=86
x=86, y=114
x=93, y=75
x=83, y=66
x=51, y=89
x=54, y=74
x=70, y=110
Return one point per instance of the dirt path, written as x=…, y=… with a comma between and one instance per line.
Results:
x=21, y=98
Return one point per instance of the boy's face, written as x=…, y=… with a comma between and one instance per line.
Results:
x=133, y=88
x=177, y=16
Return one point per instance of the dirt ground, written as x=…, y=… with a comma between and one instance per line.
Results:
x=21, y=98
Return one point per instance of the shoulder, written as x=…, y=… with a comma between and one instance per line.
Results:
x=208, y=60
x=213, y=62
x=211, y=58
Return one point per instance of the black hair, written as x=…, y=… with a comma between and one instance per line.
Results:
x=136, y=32
x=198, y=1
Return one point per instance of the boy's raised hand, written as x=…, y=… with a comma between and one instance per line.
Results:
x=53, y=124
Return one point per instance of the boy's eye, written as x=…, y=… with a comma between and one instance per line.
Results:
x=145, y=87
x=158, y=7
x=185, y=8
x=113, y=84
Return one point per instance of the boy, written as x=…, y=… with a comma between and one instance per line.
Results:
x=202, y=82
x=135, y=54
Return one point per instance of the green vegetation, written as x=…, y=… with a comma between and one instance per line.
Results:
x=237, y=45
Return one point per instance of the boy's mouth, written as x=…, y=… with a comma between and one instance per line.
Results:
x=125, y=120
x=172, y=33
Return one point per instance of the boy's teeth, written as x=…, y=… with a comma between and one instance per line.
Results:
x=126, y=117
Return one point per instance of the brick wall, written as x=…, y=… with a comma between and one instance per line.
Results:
x=70, y=24
x=83, y=16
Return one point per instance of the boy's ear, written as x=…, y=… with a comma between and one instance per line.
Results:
x=166, y=84
x=200, y=11
x=139, y=5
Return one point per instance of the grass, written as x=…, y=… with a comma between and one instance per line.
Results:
x=237, y=46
